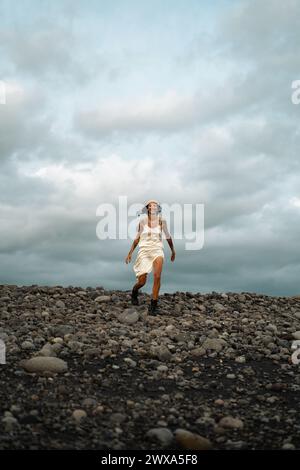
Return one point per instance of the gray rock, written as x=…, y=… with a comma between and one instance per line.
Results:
x=162, y=435
x=62, y=330
x=240, y=359
x=130, y=362
x=230, y=376
x=189, y=440
x=231, y=423
x=236, y=445
x=79, y=415
x=89, y=402
x=162, y=353
x=288, y=446
x=103, y=298
x=9, y=423
x=215, y=344
x=162, y=368
x=42, y=364
x=117, y=418
x=218, y=307
x=47, y=351
x=129, y=316
x=272, y=328
x=27, y=345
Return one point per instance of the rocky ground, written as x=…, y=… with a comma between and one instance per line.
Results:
x=86, y=370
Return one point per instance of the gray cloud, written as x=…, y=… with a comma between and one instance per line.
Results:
x=52, y=52
x=22, y=126
x=232, y=145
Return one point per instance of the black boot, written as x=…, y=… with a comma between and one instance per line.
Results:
x=152, y=309
x=134, y=297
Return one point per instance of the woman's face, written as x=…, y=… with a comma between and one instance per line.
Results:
x=152, y=207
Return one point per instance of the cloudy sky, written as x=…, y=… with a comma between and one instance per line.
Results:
x=188, y=102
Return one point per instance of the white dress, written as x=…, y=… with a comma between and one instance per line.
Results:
x=150, y=247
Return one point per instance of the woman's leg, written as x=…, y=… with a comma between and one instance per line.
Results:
x=135, y=290
x=141, y=282
x=157, y=270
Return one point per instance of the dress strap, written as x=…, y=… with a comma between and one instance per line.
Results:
x=160, y=223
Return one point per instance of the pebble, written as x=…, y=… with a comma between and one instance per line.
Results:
x=47, y=350
x=231, y=423
x=9, y=423
x=230, y=376
x=78, y=415
x=42, y=364
x=27, y=345
x=192, y=441
x=240, y=359
x=214, y=344
x=162, y=353
x=162, y=435
x=129, y=316
x=162, y=368
x=131, y=373
x=103, y=298
x=130, y=362
x=288, y=446
x=89, y=402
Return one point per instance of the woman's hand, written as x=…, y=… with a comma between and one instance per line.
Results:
x=173, y=255
x=128, y=258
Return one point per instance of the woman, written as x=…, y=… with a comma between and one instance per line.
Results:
x=150, y=255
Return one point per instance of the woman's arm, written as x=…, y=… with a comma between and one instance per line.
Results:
x=169, y=239
x=135, y=243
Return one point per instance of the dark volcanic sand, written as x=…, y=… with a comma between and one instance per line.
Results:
x=114, y=369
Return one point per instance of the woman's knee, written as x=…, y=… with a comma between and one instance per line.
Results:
x=143, y=279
